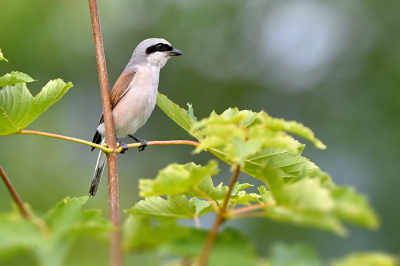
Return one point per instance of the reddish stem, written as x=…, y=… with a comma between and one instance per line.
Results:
x=14, y=194
x=209, y=243
x=113, y=204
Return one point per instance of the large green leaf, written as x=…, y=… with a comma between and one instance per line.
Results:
x=14, y=78
x=313, y=200
x=176, y=207
x=50, y=238
x=18, y=107
x=177, y=179
x=289, y=161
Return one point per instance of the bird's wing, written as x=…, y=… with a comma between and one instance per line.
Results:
x=119, y=90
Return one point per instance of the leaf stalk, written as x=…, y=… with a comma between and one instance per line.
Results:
x=14, y=194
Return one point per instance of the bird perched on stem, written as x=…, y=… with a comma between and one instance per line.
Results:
x=133, y=97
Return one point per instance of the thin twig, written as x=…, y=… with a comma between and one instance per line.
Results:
x=250, y=208
x=208, y=244
x=113, y=201
x=14, y=194
x=247, y=215
x=32, y=132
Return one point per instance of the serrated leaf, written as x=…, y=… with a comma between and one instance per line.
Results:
x=18, y=108
x=353, y=207
x=177, y=179
x=140, y=235
x=2, y=56
x=305, y=202
x=14, y=78
x=206, y=187
x=51, y=238
x=177, y=114
x=292, y=127
x=289, y=161
x=238, y=187
x=366, y=259
x=243, y=198
x=230, y=248
x=176, y=207
x=293, y=255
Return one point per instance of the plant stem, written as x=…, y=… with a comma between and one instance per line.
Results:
x=249, y=208
x=113, y=201
x=247, y=215
x=105, y=149
x=32, y=132
x=14, y=194
x=208, y=244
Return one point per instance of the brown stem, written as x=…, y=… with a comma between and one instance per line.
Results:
x=14, y=194
x=113, y=204
x=208, y=244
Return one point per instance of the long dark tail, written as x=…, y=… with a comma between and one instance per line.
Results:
x=96, y=138
x=98, y=172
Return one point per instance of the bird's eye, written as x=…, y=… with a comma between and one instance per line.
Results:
x=160, y=47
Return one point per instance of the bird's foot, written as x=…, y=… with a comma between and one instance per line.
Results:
x=122, y=145
x=142, y=141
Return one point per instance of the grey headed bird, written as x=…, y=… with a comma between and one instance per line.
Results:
x=133, y=97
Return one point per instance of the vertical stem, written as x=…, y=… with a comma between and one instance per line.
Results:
x=14, y=194
x=208, y=244
x=113, y=204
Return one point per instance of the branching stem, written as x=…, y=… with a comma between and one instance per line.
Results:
x=208, y=244
x=14, y=194
x=105, y=149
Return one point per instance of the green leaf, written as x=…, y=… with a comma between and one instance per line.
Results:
x=140, y=235
x=2, y=56
x=292, y=127
x=243, y=198
x=206, y=187
x=18, y=108
x=305, y=202
x=353, y=207
x=293, y=255
x=190, y=112
x=51, y=238
x=230, y=248
x=366, y=259
x=14, y=78
x=177, y=207
x=289, y=161
x=177, y=179
x=177, y=114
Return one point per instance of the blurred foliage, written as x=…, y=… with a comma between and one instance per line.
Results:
x=332, y=65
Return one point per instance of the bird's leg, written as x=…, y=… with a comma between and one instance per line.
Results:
x=142, y=141
x=122, y=144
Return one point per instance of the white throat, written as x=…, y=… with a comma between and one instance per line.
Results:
x=157, y=59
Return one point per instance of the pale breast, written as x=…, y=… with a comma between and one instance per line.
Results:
x=136, y=106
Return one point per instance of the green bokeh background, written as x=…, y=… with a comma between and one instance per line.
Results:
x=332, y=65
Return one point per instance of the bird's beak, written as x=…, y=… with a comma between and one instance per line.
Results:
x=175, y=52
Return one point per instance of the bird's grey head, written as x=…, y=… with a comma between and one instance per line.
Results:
x=152, y=52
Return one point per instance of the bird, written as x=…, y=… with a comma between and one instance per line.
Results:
x=133, y=97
